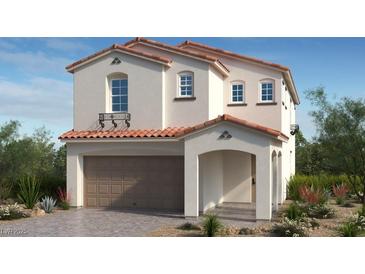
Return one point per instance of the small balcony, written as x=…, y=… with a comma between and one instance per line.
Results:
x=114, y=117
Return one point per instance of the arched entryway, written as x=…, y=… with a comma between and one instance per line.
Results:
x=226, y=182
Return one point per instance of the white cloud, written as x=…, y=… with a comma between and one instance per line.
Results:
x=66, y=44
x=47, y=100
x=34, y=61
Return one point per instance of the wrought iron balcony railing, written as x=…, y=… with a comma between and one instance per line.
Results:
x=113, y=117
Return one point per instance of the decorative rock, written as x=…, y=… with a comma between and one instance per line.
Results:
x=38, y=212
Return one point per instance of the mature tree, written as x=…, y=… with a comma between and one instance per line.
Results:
x=29, y=155
x=59, y=162
x=309, y=158
x=341, y=129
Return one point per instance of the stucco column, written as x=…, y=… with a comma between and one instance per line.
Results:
x=263, y=185
x=75, y=177
x=191, y=196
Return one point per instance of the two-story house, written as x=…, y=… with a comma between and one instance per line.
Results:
x=183, y=127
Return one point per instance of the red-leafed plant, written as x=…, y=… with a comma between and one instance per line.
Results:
x=64, y=198
x=340, y=193
x=310, y=195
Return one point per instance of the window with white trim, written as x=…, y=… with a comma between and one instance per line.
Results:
x=186, y=84
x=267, y=91
x=237, y=92
x=119, y=94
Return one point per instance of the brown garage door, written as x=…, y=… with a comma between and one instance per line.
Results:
x=154, y=182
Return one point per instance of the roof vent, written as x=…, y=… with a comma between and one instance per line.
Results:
x=116, y=61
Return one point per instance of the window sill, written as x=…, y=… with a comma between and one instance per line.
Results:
x=192, y=98
x=267, y=104
x=236, y=104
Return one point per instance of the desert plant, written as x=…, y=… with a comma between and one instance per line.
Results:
x=348, y=229
x=354, y=226
x=48, y=204
x=294, y=211
x=313, y=196
x=211, y=225
x=322, y=182
x=290, y=228
x=6, y=187
x=340, y=192
x=29, y=191
x=64, y=199
x=189, y=226
x=9, y=212
x=320, y=211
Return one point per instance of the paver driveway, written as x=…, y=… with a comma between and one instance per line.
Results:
x=90, y=222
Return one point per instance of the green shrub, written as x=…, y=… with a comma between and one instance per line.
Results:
x=354, y=226
x=320, y=211
x=290, y=228
x=317, y=182
x=189, y=226
x=29, y=193
x=49, y=185
x=348, y=229
x=361, y=211
x=10, y=212
x=211, y=225
x=294, y=211
x=48, y=204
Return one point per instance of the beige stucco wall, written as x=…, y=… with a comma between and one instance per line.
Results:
x=91, y=92
x=185, y=113
x=77, y=150
x=224, y=176
x=237, y=186
x=210, y=180
x=216, y=92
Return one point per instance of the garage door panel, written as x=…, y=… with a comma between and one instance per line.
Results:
x=104, y=202
x=155, y=182
x=103, y=189
x=91, y=202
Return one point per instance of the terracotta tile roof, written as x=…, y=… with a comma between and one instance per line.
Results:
x=121, y=48
x=231, y=54
x=128, y=133
x=175, y=49
x=174, y=132
x=234, y=120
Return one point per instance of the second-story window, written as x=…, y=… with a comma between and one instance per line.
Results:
x=267, y=91
x=237, y=92
x=120, y=95
x=186, y=84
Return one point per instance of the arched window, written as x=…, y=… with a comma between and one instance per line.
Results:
x=267, y=91
x=118, y=84
x=237, y=92
x=186, y=84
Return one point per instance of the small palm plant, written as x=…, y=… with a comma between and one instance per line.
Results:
x=211, y=225
x=48, y=204
x=29, y=193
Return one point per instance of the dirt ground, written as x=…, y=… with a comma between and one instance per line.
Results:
x=327, y=227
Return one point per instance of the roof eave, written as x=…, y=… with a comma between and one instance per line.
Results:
x=71, y=68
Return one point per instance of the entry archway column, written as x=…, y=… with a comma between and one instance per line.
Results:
x=263, y=185
x=191, y=188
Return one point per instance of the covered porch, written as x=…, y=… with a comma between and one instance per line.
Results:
x=232, y=170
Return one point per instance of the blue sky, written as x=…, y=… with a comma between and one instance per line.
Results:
x=36, y=90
